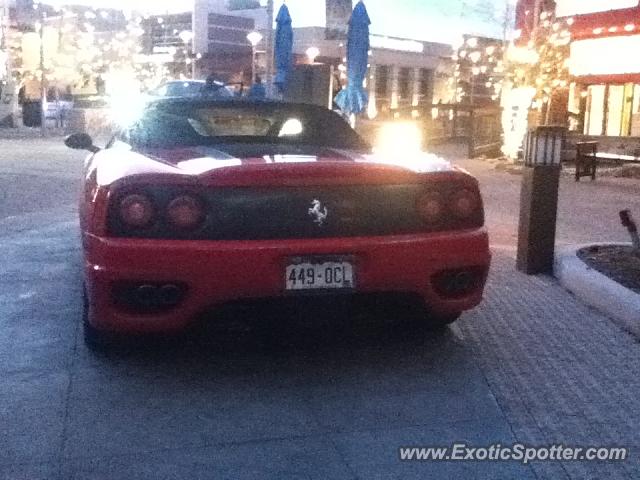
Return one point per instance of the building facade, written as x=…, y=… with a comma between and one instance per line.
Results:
x=605, y=65
x=214, y=44
x=604, y=96
x=404, y=73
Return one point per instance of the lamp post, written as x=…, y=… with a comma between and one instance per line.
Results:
x=43, y=88
x=270, y=45
x=539, y=200
x=254, y=39
x=312, y=54
x=187, y=36
x=10, y=95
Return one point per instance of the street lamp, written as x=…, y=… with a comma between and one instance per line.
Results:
x=312, y=54
x=186, y=36
x=254, y=39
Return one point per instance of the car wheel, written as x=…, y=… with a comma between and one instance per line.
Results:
x=94, y=339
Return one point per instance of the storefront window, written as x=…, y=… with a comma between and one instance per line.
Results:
x=382, y=81
x=635, y=112
x=382, y=88
x=594, y=118
x=426, y=86
x=614, y=110
x=619, y=108
x=404, y=85
x=627, y=107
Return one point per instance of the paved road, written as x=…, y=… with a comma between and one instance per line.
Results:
x=332, y=396
x=37, y=175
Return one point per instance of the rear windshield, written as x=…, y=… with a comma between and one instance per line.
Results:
x=193, y=124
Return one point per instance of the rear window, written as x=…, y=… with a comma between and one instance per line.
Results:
x=167, y=125
x=228, y=122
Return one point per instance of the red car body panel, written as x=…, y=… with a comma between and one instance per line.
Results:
x=219, y=272
x=216, y=272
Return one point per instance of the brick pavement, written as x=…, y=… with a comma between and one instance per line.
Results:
x=560, y=371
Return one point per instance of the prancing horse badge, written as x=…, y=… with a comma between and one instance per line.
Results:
x=318, y=212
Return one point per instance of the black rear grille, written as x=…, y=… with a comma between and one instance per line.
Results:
x=288, y=213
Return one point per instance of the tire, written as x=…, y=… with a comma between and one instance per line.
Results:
x=441, y=322
x=95, y=340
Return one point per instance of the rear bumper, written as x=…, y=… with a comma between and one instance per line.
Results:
x=215, y=273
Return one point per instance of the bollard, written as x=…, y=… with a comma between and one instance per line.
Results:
x=539, y=200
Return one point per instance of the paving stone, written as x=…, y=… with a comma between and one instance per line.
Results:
x=560, y=371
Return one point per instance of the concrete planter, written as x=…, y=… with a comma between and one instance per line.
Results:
x=621, y=304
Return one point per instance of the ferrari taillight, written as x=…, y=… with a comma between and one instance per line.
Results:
x=450, y=206
x=136, y=211
x=185, y=212
x=464, y=203
x=430, y=208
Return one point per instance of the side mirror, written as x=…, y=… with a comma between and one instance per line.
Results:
x=81, y=141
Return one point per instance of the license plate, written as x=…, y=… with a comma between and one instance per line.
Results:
x=307, y=275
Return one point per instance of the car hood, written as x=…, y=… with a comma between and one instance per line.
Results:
x=238, y=160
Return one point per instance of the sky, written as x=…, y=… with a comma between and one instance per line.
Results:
x=430, y=20
x=434, y=20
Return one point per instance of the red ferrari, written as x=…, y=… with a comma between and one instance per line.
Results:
x=200, y=203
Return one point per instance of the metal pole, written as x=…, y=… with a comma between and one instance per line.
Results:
x=43, y=88
x=194, y=59
x=331, y=86
x=4, y=45
x=269, y=45
x=253, y=64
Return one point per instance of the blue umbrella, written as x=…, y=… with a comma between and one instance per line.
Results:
x=283, y=49
x=354, y=98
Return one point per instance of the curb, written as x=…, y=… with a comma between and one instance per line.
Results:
x=621, y=304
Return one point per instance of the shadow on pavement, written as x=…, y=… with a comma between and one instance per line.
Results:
x=307, y=326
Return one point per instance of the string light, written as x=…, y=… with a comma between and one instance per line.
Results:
x=536, y=71
x=80, y=51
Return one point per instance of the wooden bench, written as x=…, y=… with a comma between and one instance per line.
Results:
x=617, y=158
x=586, y=160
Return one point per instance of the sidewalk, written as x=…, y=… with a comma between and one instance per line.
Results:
x=27, y=133
x=37, y=174
x=587, y=212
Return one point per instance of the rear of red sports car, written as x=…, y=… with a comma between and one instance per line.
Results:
x=201, y=204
